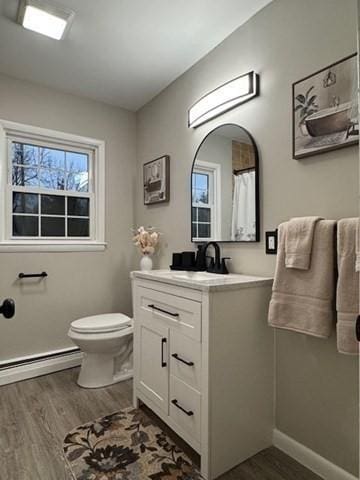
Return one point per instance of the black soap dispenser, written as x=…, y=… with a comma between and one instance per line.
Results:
x=200, y=262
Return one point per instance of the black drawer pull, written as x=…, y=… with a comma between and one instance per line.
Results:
x=32, y=275
x=163, y=311
x=358, y=328
x=189, y=413
x=163, y=342
x=176, y=356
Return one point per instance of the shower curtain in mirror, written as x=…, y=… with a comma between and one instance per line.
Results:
x=243, y=212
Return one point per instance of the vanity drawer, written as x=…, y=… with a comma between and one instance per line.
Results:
x=185, y=405
x=185, y=359
x=181, y=314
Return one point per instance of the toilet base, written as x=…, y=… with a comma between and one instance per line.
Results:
x=97, y=370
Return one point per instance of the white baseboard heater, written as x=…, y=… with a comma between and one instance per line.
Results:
x=31, y=366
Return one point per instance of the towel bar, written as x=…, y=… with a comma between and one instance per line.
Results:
x=32, y=275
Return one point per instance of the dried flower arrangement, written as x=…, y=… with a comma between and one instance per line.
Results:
x=146, y=240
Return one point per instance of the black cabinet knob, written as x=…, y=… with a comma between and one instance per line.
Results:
x=8, y=308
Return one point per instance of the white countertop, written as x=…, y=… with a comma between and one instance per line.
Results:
x=203, y=281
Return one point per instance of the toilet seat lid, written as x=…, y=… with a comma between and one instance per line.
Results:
x=108, y=322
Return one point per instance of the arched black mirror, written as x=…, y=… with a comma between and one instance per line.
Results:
x=225, y=187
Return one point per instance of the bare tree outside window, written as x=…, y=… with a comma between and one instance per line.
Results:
x=37, y=168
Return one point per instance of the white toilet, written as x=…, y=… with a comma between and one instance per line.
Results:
x=107, y=343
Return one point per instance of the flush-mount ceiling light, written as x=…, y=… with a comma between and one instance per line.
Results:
x=223, y=98
x=50, y=20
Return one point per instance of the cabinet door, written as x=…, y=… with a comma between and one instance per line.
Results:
x=153, y=366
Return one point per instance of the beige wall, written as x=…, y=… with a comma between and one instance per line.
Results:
x=79, y=283
x=316, y=387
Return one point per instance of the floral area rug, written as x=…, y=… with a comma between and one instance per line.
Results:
x=126, y=445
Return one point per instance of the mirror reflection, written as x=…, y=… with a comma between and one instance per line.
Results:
x=224, y=187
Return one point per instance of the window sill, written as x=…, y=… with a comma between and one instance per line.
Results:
x=28, y=246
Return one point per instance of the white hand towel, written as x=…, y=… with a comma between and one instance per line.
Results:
x=299, y=241
x=347, y=292
x=302, y=300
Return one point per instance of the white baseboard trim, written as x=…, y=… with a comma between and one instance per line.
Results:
x=313, y=461
x=38, y=368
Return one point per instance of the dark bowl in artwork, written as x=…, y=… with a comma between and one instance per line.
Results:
x=329, y=120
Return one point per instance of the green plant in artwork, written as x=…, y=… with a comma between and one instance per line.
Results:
x=306, y=105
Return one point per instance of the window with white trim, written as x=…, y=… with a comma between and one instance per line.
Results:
x=53, y=187
x=205, y=212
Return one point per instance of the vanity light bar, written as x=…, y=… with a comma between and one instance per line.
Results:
x=224, y=98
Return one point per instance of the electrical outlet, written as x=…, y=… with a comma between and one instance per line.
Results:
x=271, y=242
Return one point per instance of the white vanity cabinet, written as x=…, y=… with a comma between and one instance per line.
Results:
x=203, y=361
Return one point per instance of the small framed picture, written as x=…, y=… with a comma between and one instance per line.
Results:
x=325, y=109
x=157, y=180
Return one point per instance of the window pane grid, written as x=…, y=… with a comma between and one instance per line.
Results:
x=200, y=227
x=51, y=191
x=203, y=203
x=48, y=222
x=47, y=167
x=44, y=158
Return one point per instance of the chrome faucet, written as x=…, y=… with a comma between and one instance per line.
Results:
x=216, y=265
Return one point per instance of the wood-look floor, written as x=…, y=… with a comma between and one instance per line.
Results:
x=36, y=414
